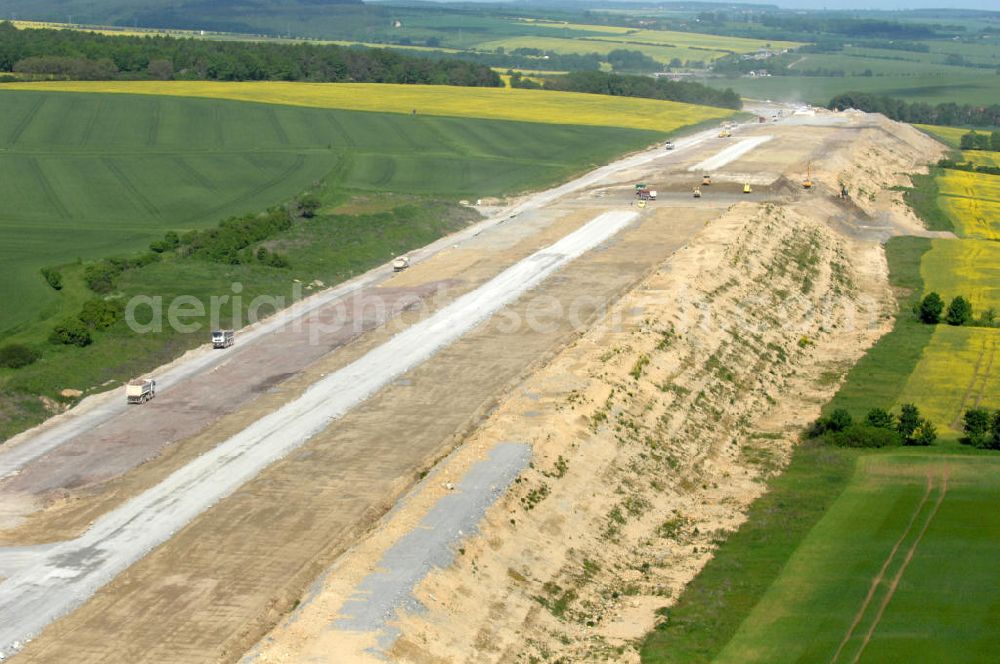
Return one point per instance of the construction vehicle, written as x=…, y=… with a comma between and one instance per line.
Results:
x=645, y=194
x=746, y=188
x=641, y=204
x=400, y=264
x=669, y=145
x=140, y=390
x=725, y=133
x=706, y=180
x=223, y=338
x=808, y=183
x=697, y=192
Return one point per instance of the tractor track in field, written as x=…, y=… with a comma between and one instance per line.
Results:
x=15, y=135
x=195, y=176
x=902, y=569
x=984, y=377
x=217, y=128
x=130, y=187
x=95, y=117
x=978, y=376
x=153, y=135
x=50, y=193
x=339, y=128
x=877, y=579
x=279, y=131
x=248, y=194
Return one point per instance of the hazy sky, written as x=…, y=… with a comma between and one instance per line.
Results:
x=888, y=4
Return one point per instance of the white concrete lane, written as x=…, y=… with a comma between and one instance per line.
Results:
x=63, y=576
x=730, y=154
x=25, y=448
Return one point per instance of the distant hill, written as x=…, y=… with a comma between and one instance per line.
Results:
x=254, y=16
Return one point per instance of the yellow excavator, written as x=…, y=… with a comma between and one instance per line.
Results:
x=746, y=188
x=808, y=183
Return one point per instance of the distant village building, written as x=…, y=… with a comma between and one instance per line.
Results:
x=763, y=54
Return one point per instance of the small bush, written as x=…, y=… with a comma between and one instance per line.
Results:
x=880, y=418
x=930, y=308
x=308, y=205
x=976, y=425
x=53, y=278
x=169, y=242
x=909, y=420
x=862, y=435
x=837, y=421
x=71, y=332
x=15, y=356
x=925, y=434
x=101, y=314
x=959, y=312
x=100, y=276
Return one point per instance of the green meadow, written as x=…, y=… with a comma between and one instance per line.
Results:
x=85, y=176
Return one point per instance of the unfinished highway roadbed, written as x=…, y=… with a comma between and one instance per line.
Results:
x=185, y=530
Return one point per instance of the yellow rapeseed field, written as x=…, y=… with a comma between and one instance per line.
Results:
x=491, y=103
x=972, y=201
x=948, y=135
x=577, y=27
x=567, y=46
x=964, y=267
x=972, y=185
x=972, y=217
x=700, y=41
x=959, y=369
x=39, y=25
x=982, y=158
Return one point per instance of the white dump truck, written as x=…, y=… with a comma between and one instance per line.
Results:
x=400, y=264
x=140, y=390
x=223, y=338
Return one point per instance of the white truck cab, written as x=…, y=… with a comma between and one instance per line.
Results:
x=223, y=338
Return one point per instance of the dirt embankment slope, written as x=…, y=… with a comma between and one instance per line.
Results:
x=651, y=434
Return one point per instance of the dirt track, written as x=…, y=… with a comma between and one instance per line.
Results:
x=217, y=585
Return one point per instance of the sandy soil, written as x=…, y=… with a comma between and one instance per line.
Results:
x=651, y=436
x=212, y=590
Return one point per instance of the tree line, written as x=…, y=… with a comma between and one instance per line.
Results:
x=621, y=85
x=973, y=140
x=931, y=310
x=880, y=428
x=981, y=428
x=948, y=113
x=87, y=55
